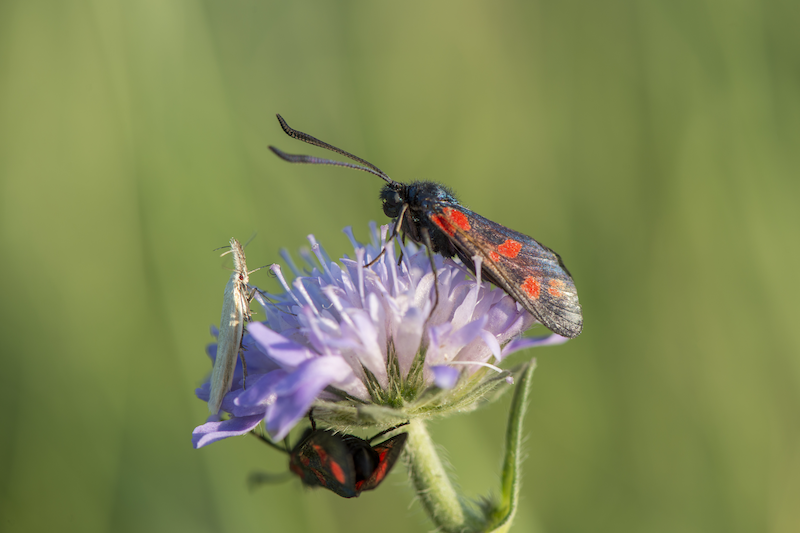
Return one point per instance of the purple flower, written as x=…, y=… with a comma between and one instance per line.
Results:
x=365, y=345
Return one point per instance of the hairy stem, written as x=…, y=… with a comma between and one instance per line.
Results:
x=431, y=482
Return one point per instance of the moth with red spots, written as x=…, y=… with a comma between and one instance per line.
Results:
x=345, y=464
x=428, y=213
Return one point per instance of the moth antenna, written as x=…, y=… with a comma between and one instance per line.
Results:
x=253, y=236
x=229, y=246
x=300, y=136
x=257, y=269
x=310, y=160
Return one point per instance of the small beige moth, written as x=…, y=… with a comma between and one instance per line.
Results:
x=235, y=313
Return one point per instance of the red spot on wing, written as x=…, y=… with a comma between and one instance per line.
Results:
x=457, y=217
x=296, y=469
x=531, y=287
x=337, y=472
x=388, y=453
x=380, y=471
x=323, y=455
x=555, y=285
x=444, y=224
x=450, y=220
x=510, y=248
x=494, y=256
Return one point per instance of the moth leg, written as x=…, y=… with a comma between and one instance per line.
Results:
x=248, y=299
x=266, y=440
x=267, y=300
x=311, y=419
x=376, y=257
x=426, y=238
x=256, y=479
x=244, y=362
x=385, y=431
x=395, y=231
x=400, y=259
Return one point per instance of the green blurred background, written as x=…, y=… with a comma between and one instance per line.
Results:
x=654, y=144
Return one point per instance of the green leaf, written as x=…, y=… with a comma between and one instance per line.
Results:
x=502, y=515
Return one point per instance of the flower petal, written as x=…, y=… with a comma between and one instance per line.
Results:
x=258, y=395
x=445, y=344
x=529, y=342
x=407, y=337
x=214, y=431
x=491, y=342
x=468, y=332
x=286, y=353
x=445, y=377
x=295, y=393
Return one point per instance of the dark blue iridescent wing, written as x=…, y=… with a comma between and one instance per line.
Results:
x=323, y=459
x=388, y=452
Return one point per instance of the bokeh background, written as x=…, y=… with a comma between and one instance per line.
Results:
x=654, y=144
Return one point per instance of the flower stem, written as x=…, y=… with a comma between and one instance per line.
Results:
x=431, y=482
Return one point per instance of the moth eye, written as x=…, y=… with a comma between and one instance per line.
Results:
x=391, y=203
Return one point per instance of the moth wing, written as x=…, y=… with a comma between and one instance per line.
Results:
x=323, y=459
x=388, y=453
x=235, y=312
x=531, y=273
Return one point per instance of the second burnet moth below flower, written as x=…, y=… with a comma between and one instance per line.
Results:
x=343, y=463
x=428, y=213
x=235, y=314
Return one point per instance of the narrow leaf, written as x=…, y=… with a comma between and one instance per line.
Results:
x=502, y=515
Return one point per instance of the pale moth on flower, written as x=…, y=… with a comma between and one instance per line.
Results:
x=235, y=312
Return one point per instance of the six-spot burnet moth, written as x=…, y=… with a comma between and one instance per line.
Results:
x=345, y=464
x=235, y=313
x=429, y=214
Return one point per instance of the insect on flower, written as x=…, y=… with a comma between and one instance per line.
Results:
x=342, y=463
x=428, y=213
x=235, y=313
x=344, y=336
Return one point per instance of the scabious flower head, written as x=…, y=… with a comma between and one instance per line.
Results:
x=366, y=346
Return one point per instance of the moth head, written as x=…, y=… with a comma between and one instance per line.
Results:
x=392, y=200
